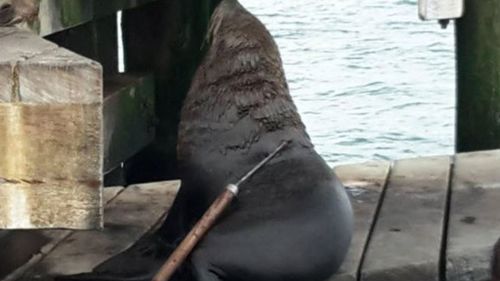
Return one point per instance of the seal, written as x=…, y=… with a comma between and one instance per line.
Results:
x=292, y=220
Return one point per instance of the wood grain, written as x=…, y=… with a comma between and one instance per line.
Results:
x=407, y=238
x=51, y=146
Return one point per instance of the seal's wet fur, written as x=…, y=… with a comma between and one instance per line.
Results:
x=292, y=220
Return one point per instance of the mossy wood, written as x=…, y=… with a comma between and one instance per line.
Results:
x=46, y=17
x=407, y=237
x=170, y=49
x=478, y=76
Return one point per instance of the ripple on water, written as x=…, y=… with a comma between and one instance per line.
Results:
x=371, y=81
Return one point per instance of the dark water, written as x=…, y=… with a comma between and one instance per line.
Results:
x=370, y=79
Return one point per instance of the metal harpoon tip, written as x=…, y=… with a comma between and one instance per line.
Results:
x=234, y=189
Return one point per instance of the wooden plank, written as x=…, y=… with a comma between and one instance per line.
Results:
x=51, y=126
x=131, y=215
x=474, y=221
x=129, y=117
x=406, y=241
x=50, y=16
x=24, y=248
x=15, y=47
x=365, y=183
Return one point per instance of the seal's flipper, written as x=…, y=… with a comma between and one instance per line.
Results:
x=203, y=270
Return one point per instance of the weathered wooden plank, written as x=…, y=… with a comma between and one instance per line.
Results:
x=132, y=214
x=23, y=249
x=51, y=126
x=61, y=192
x=474, y=220
x=128, y=117
x=17, y=44
x=406, y=241
x=365, y=183
x=50, y=16
x=39, y=72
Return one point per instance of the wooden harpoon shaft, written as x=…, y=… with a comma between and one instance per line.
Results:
x=203, y=225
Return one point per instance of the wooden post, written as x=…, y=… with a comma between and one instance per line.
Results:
x=51, y=135
x=478, y=66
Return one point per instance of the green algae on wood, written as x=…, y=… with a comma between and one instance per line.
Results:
x=478, y=76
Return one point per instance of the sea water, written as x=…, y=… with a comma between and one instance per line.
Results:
x=371, y=81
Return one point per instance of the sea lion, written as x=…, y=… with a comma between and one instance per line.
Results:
x=292, y=220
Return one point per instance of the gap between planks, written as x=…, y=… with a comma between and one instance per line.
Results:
x=365, y=184
x=407, y=234
x=375, y=218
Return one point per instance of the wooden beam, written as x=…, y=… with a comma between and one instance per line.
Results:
x=365, y=183
x=474, y=220
x=51, y=126
x=407, y=238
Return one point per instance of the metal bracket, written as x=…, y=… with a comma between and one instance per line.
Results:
x=440, y=9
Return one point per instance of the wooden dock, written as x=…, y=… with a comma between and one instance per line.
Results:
x=431, y=218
